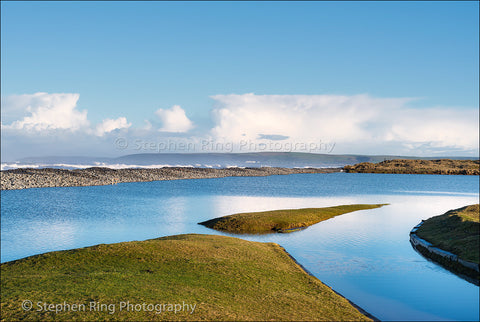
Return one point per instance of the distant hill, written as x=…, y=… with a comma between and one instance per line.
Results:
x=272, y=159
x=214, y=160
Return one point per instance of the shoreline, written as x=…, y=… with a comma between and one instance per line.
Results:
x=26, y=178
x=367, y=314
x=460, y=267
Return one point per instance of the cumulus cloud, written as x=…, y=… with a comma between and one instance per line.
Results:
x=174, y=120
x=45, y=112
x=359, y=123
x=109, y=125
x=40, y=113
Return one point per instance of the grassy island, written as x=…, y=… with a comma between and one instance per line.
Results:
x=279, y=220
x=202, y=277
x=443, y=166
x=457, y=231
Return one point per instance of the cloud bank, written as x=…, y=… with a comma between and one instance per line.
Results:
x=53, y=124
x=360, y=121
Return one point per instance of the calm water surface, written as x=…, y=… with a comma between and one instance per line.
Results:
x=365, y=255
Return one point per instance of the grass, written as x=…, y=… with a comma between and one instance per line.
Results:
x=443, y=166
x=457, y=231
x=226, y=278
x=279, y=220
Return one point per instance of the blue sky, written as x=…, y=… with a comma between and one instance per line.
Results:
x=130, y=59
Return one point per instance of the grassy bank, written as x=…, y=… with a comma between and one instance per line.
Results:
x=457, y=231
x=222, y=278
x=279, y=220
x=444, y=166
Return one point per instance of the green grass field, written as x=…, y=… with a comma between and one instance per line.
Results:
x=279, y=220
x=457, y=231
x=222, y=278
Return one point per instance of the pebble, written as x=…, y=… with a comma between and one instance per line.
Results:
x=48, y=177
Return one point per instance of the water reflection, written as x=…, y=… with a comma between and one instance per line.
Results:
x=177, y=218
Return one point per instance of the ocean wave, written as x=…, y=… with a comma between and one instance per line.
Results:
x=8, y=166
x=12, y=166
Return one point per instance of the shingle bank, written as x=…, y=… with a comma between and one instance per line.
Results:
x=39, y=178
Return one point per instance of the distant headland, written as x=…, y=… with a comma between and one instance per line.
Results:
x=443, y=166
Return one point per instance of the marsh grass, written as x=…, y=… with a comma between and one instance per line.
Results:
x=227, y=278
x=279, y=220
x=457, y=231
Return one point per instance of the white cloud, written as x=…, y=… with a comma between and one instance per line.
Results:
x=359, y=123
x=439, y=127
x=174, y=120
x=148, y=126
x=52, y=124
x=45, y=112
x=109, y=125
x=41, y=113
